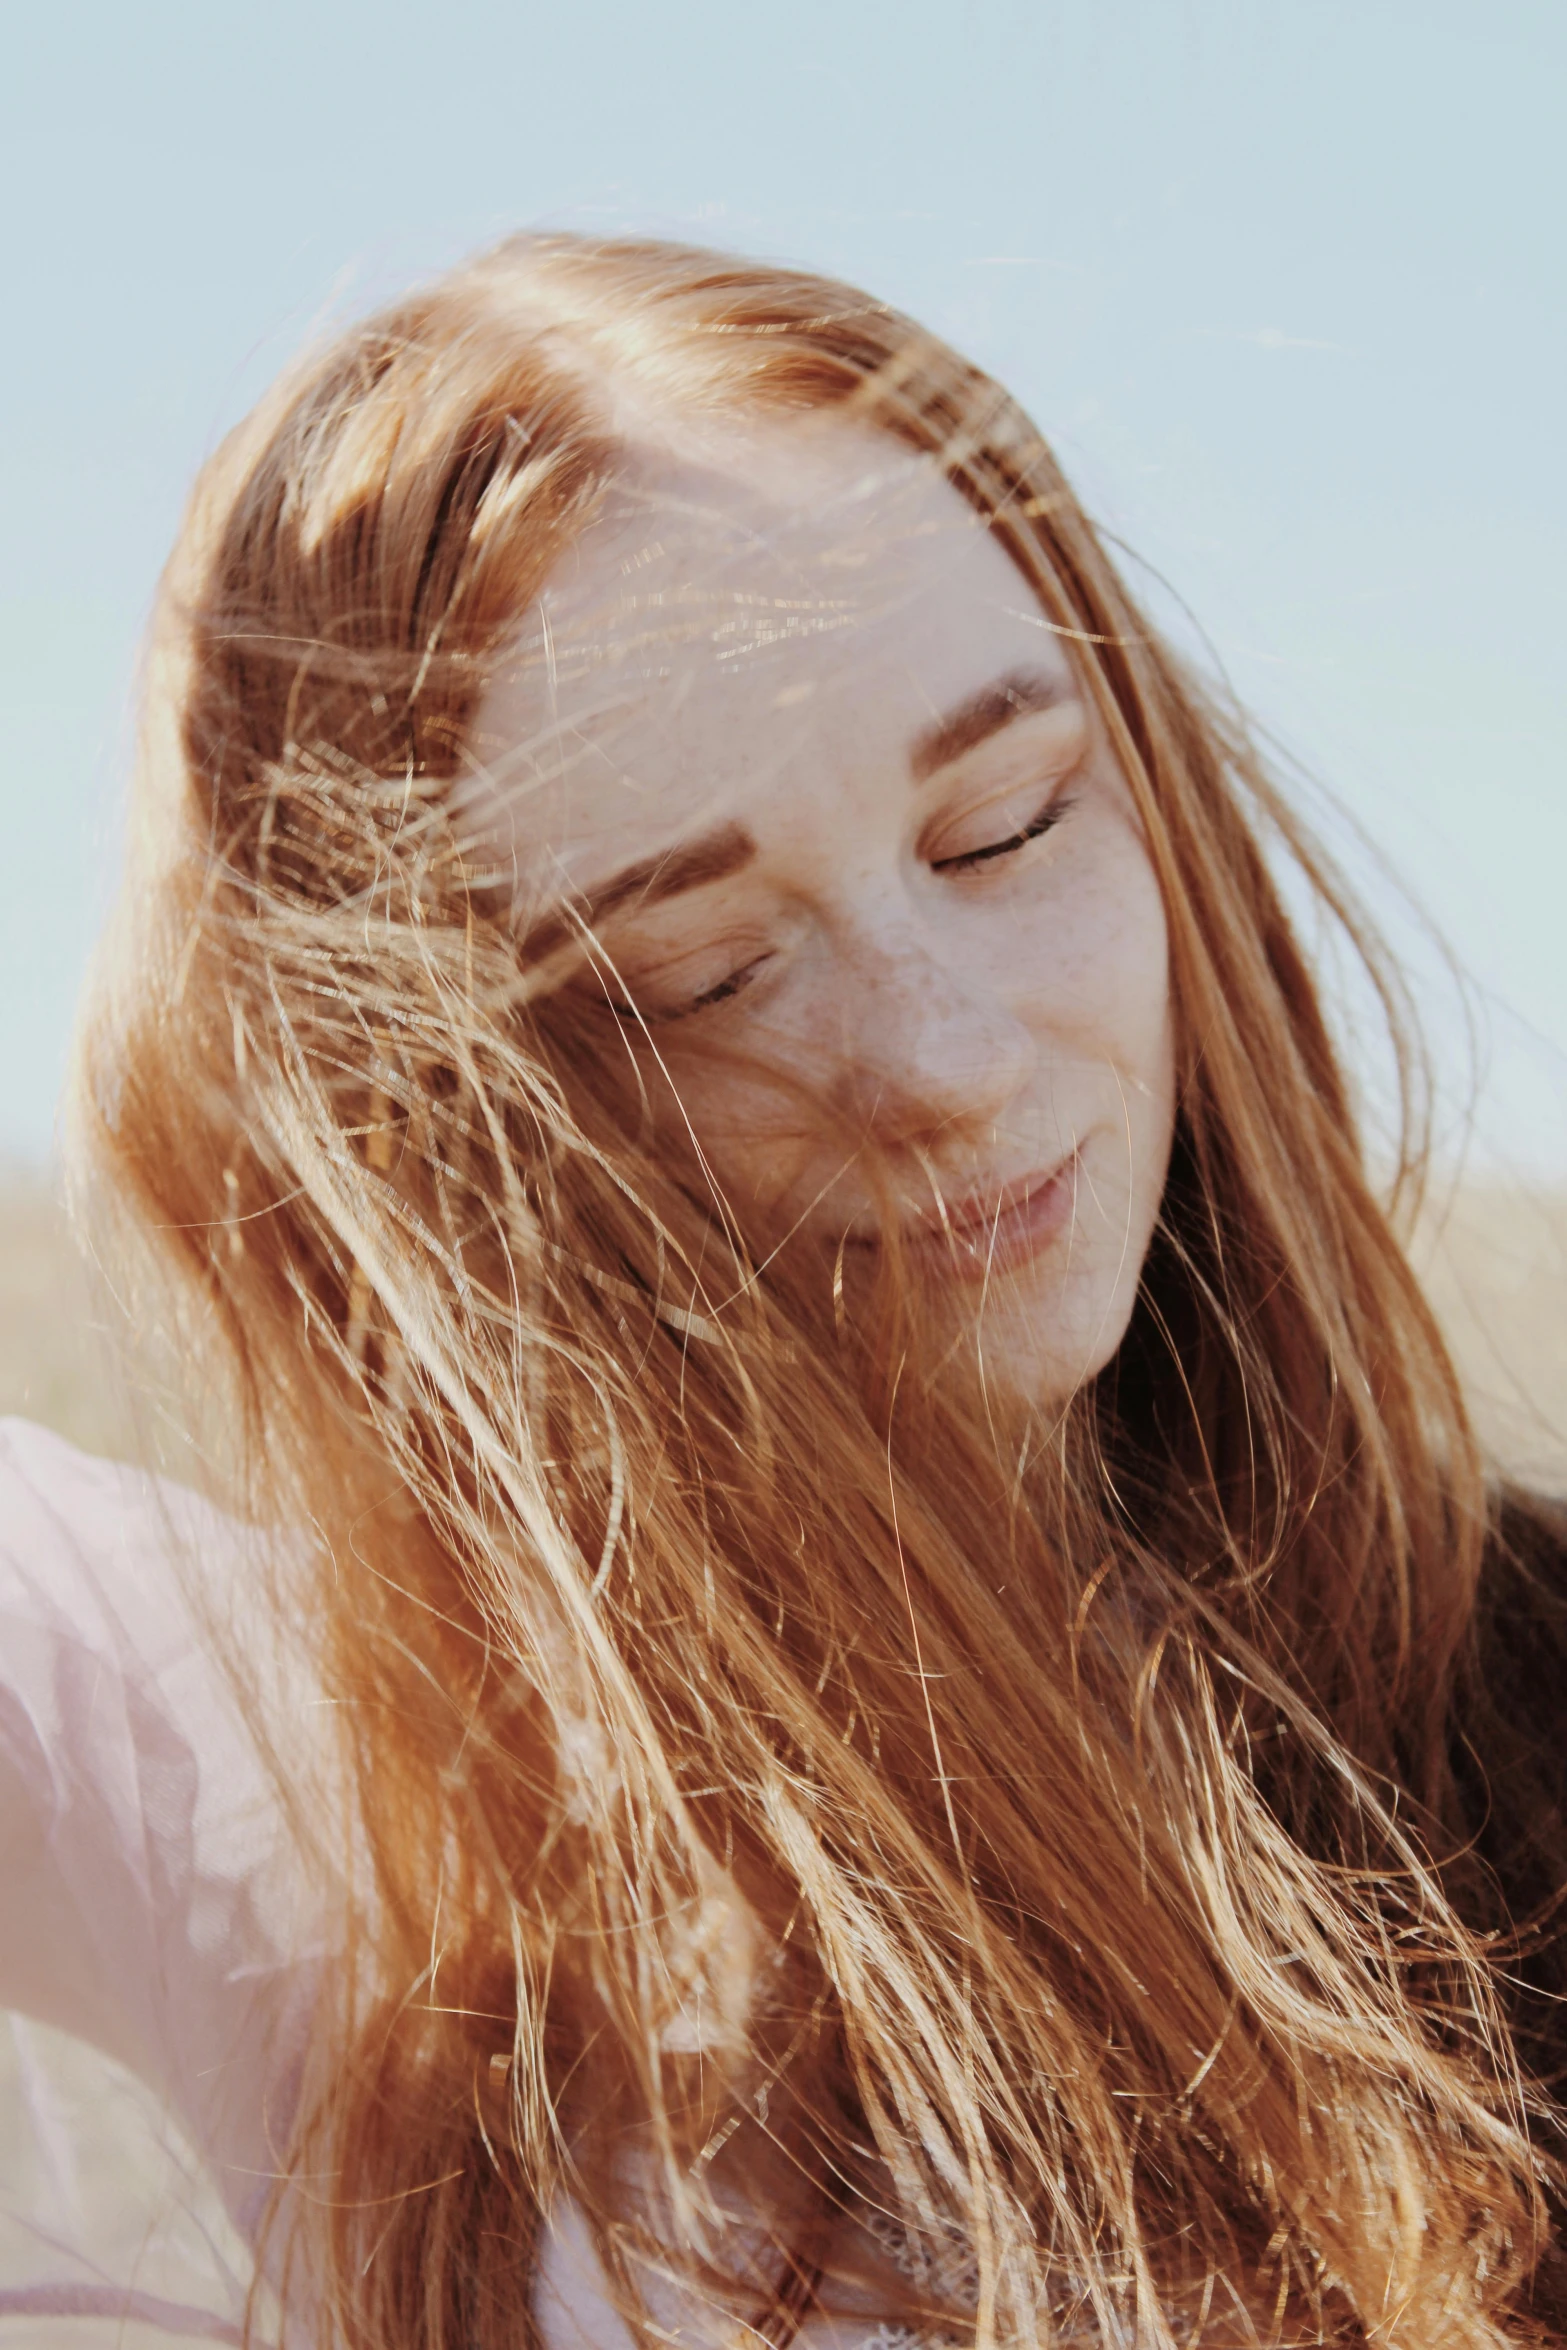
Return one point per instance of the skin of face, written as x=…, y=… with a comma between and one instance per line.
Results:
x=875, y=924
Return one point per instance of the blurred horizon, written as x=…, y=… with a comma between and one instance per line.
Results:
x=1282, y=283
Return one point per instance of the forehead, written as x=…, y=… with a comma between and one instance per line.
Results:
x=747, y=606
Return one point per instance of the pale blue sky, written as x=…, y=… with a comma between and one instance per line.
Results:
x=1284, y=280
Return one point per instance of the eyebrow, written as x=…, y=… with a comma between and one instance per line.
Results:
x=712, y=857
x=1019, y=694
x=715, y=855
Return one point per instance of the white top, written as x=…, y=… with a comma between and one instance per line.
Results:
x=146, y=1900
x=150, y=1906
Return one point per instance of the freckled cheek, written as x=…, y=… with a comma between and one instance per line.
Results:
x=1093, y=969
x=761, y=1121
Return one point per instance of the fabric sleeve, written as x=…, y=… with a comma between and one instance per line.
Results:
x=147, y=1899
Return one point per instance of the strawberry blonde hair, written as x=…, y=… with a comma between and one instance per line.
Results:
x=1079, y=1810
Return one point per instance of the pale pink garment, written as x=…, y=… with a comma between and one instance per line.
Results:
x=149, y=1902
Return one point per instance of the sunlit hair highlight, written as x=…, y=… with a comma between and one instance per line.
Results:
x=714, y=1816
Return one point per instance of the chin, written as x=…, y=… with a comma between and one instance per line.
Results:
x=1039, y=1346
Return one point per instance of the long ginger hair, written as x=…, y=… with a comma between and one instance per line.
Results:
x=760, y=1770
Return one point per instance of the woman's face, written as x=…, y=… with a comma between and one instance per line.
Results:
x=790, y=732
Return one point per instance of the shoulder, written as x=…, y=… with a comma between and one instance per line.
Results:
x=1510, y=1747
x=154, y=1901
x=1512, y=1686
x=108, y=1576
x=126, y=1601
x=1509, y=1761
x=102, y=1634
x=1520, y=1635
x=86, y=1531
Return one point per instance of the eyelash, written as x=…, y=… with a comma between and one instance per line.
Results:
x=734, y=985
x=1047, y=818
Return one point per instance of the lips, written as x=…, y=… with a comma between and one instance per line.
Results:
x=998, y=1229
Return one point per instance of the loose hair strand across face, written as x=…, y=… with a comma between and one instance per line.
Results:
x=723, y=1830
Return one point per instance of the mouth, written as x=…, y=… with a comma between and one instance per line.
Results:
x=998, y=1229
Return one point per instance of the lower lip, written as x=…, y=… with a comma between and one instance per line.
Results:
x=1002, y=1243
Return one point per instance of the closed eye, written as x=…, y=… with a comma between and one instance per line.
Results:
x=653, y=1014
x=1014, y=841
x=734, y=985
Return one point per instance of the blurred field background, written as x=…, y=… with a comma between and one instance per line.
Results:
x=55, y=1359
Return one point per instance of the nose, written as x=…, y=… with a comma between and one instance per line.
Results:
x=930, y=1055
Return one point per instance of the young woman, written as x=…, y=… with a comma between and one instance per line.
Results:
x=872, y=1690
